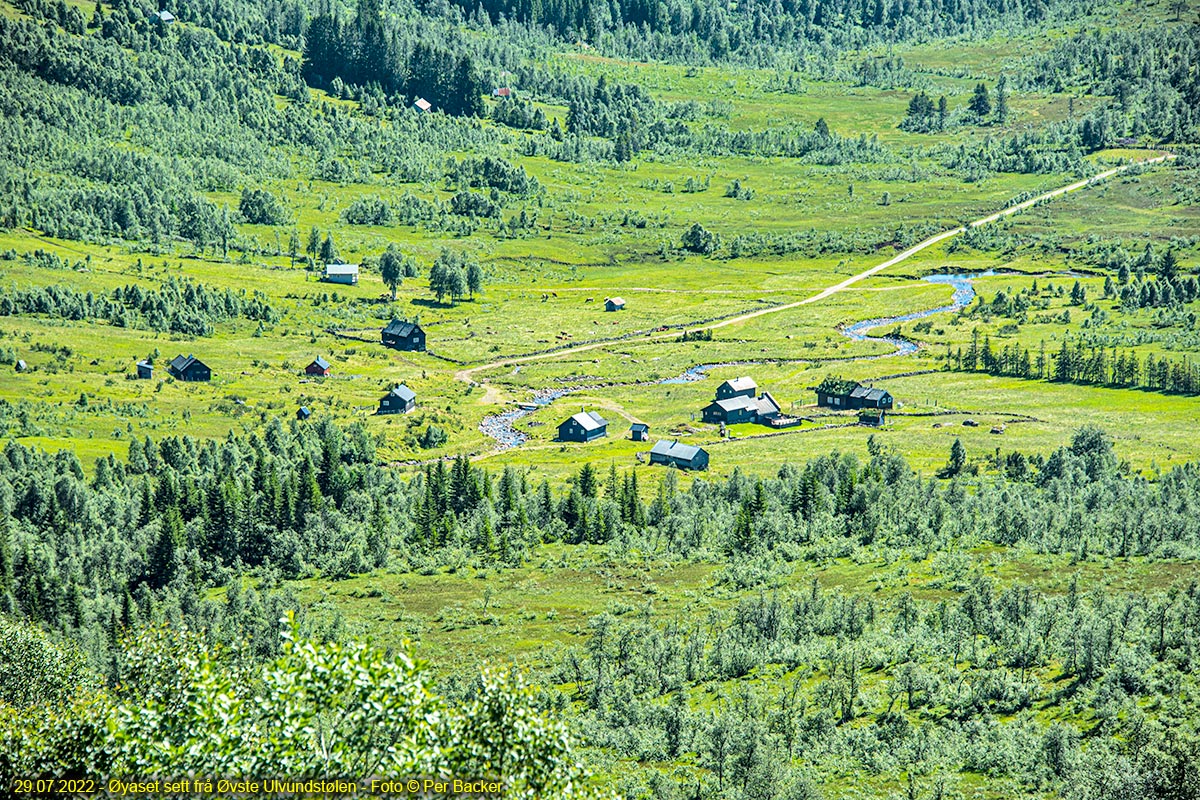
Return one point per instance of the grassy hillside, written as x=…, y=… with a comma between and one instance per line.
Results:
x=990, y=595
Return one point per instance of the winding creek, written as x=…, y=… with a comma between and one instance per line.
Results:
x=501, y=427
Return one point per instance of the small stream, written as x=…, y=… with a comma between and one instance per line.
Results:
x=501, y=427
x=964, y=294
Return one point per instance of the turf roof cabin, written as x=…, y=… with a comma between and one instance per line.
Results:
x=586, y=426
x=404, y=336
x=189, y=368
x=683, y=456
x=400, y=400
x=845, y=394
x=319, y=366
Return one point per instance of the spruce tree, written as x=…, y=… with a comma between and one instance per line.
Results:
x=981, y=104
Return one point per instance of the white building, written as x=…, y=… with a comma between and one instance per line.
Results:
x=341, y=273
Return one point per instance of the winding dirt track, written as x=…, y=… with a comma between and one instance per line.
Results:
x=467, y=374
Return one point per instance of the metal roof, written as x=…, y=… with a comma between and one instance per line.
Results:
x=180, y=363
x=404, y=393
x=736, y=403
x=589, y=420
x=321, y=362
x=683, y=452
x=869, y=393
x=766, y=404
x=616, y=301
x=341, y=269
x=639, y=426
x=423, y=104
x=399, y=328
x=741, y=384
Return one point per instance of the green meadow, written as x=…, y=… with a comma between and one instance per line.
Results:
x=982, y=597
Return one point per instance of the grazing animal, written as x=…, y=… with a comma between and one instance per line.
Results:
x=589, y=300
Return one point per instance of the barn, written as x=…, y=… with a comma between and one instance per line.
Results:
x=683, y=456
x=189, y=368
x=404, y=335
x=585, y=426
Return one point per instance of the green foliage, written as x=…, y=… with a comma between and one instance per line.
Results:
x=371, y=210
x=317, y=710
x=36, y=671
x=394, y=266
x=260, y=207
x=454, y=274
x=981, y=103
x=699, y=240
x=176, y=306
x=433, y=437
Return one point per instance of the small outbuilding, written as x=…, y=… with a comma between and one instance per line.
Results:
x=302, y=413
x=165, y=17
x=639, y=432
x=422, y=105
x=684, y=456
x=341, y=273
x=614, y=304
x=586, y=426
x=145, y=370
x=404, y=336
x=503, y=91
x=189, y=368
x=21, y=366
x=873, y=417
x=400, y=400
x=738, y=387
x=319, y=366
